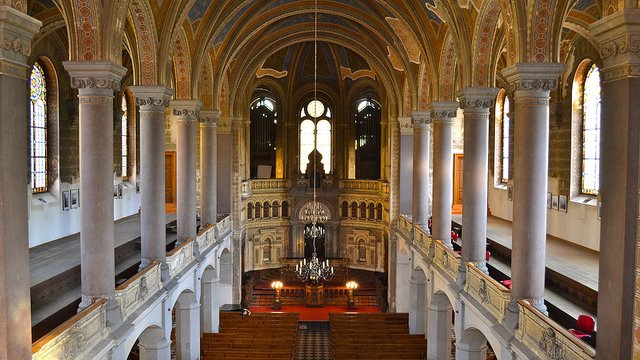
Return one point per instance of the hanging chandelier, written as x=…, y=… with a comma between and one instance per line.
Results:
x=314, y=270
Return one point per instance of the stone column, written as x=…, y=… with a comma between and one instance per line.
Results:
x=442, y=115
x=209, y=165
x=619, y=166
x=187, y=327
x=153, y=101
x=96, y=81
x=476, y=103
x=153, y=345
x=439, y=328
x=16, y=31
x=421, y=122
x=185, y=113
x=531, y=83
x=471, y=346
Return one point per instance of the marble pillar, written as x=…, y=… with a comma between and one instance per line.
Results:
x=531, y=83
x=476, y=103
x=208, y=165
x=442, y=115
x=472, y=345
x=16, y=30
x=96, y=81
x=439, y=326
x=185, y=113
x=153, y=345
x=187, y=327
x=421, y=122
x=153, y=102
x=618, y=288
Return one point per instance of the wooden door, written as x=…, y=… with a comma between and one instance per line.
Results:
x=458, y=166
x=170, y=181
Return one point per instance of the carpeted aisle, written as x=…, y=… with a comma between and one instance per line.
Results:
x=316, y=314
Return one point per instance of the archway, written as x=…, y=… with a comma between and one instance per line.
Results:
x=417, y=306
x=152, y=345
x=209, y=311
x=440, y=321
x=472, y=345
x=187, y=326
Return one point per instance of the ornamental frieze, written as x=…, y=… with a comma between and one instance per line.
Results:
x=153, y=101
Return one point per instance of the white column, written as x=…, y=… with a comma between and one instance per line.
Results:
x=210, y=304
x=96, y=81
x=153, y=345
x=17, y=29
x=208, y=164
x=476, y=103
x=439, y=330
x=471, y=346
x=188, y=328
x=421, y=122
x=442, y=115
x=185, y=113
x=153, y=101
x=619, y=166
x=532, y=83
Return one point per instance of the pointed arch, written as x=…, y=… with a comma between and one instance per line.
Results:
x=484, y=40
x=182, y=66
x=141, y=16
x=447, y=69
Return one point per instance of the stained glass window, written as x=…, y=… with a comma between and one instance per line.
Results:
x=125, y=129
x=506, y=140
x=38, y=96
x=315, y=116
x=591, y=132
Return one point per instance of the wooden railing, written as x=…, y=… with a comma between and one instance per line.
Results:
x=489, y=293
x=75, y=336
x=547, y=338
x=447, y=260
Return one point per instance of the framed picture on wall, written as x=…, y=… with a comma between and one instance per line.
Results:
x=510, y=192
x=115, y=191
x=75, y=199
x=554, y=201
x=548, y=200
x=120, y=191
x=137, y=187
x=65, y=200
x=562, y=203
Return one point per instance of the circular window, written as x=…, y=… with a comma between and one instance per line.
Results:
x=315, y=108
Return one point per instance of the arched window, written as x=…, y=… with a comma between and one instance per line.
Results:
x=362, y=251
x=363, y=210
x=267, y=210
x=125, y=138
x=372, y=211
x=266, y=251
x=258, y=210
x=503, y=138
x=345, y=209
x=591, y=97
x=585, y=176
x=264, y=120
x=275, y=210
x=38, y=96
x=379, y=212
x=250, y=211
x=368, y=116
x=354, y=209
x=315, y=116
x=285, y=209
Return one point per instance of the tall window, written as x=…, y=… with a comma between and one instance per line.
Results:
x=38, y=95
x=264, y=119
x=315, y=110
x=591, y=132
x=124, y=138
x=503, y=127
x=367, y=139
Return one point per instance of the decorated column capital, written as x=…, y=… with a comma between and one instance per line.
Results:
x=443, y=112
x=210, y=117
x=405, y=126
x=152, y=98
x=420, y=119
x=95, y=80
x=533, y=77
x=618, y=38
x=16, y=32
x=186, y=110
x=479, y=99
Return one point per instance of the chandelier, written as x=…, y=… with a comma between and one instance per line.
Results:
x=314, y=270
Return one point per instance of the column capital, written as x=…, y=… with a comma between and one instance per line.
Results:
x=533, y=76
x=95, y=76
x=210, y=117
x=443, y=111
x=405, y=126
x=16, y=32
x=420, y=119
x=618, y=38
x=186, y=109
x=477, y=98
x=148, y=97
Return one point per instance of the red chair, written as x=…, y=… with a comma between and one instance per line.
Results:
x=586, y=325
x=506, y=283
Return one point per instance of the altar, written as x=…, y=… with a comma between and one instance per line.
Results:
x=314, y=294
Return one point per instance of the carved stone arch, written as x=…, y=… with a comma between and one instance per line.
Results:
x=203, y=87
x=144, y=27
x=321, y=204
x=88, y=37
x=423, y=88
x=182, y=66
x=49, y=25
x=171, y=28
x=447, y=73
x=484, y=39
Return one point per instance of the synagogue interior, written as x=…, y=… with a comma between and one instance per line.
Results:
x=319, y=179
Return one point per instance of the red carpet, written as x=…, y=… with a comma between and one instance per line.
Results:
x=316, y=314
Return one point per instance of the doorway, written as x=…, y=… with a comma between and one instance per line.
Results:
x=170, y=195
